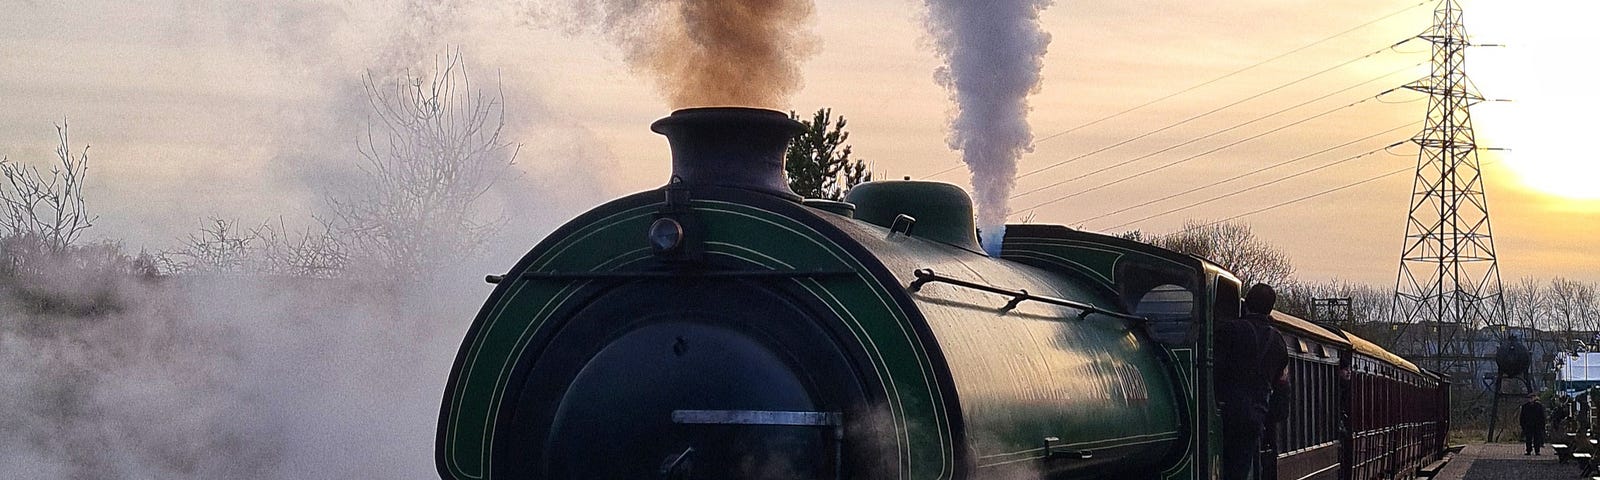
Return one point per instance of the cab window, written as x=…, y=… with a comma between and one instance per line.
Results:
x=1166, y=297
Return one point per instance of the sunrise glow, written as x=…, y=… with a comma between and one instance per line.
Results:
x=1539, y=87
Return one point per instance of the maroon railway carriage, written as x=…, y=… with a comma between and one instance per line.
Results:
x=1359, y=411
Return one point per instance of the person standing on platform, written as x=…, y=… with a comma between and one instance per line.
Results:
x=1532, y=416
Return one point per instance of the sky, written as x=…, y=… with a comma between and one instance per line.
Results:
x=251, y=110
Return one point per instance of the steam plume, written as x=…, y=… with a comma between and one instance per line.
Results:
x=713, y=52
x=992, y=53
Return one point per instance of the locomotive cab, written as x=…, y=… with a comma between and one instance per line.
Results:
x=1178, y=295
x=1175, y=293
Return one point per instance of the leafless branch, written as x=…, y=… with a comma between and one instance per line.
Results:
x=46, y=208
x=1235, y=247
x=433, y=148
x=272, y=249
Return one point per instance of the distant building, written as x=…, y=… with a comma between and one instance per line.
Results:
x=1578, y=371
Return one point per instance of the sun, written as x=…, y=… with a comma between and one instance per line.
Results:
x=1546, y=73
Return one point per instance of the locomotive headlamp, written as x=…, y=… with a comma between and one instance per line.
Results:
x=665, y=235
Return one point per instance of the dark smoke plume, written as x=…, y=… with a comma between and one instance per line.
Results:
x=711, y=52
x=992, y=52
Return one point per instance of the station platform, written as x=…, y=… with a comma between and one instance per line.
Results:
x=1505, y=461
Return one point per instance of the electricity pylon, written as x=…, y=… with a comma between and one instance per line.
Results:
x=1449, y=279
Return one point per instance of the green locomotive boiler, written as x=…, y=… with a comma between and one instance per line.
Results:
x=721, y=327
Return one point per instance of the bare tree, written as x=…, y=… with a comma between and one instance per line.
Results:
x=221, y=246
x=313, y=252
x=433, y=148
x=47, y=209
x=1570, y=303
x=1367, y=303
x=1234, y=247
x=1527, y=303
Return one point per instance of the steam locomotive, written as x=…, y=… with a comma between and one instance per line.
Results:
x=723, y=327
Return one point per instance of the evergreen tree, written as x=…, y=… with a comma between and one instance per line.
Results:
x=819, y=163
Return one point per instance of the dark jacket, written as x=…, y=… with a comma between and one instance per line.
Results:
x=1250, y=356
x=1532, y=416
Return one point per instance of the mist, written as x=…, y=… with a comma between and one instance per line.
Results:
x=992, y=54
x=227, y=377
x=118, y=369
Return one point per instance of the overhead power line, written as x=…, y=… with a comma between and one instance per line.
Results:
x=1261, y=185
x=1230, y=74
x=1245, y=174
x=1307, y=197
x=1206, y=114
x=1213, y=80
x=1318, y=194
x=947, y=170
x=1314, y=195
x=1208, y=152
x=1225, y=130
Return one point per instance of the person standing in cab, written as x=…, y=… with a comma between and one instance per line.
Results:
x=1251, y=361
x=1532, y=425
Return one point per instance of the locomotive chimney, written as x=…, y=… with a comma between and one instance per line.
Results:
x=730, y=147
